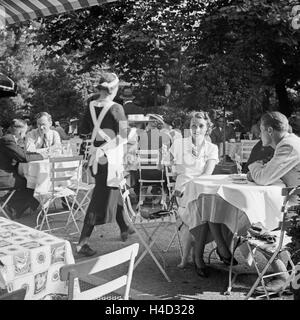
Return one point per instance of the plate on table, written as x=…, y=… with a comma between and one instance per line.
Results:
x=240, y=181
x=239, y=178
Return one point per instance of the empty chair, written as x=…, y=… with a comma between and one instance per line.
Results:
x=148, y=228
x=84, y=271
x=151, y=173
x=64, y=172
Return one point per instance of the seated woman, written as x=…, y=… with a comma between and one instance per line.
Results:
x=10, y=156
x=193, y=156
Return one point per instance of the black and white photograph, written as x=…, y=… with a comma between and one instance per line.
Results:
x=150, y=152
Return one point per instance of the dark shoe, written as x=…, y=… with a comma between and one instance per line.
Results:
x=273, y=286
x=227, y=261
x=87, y=251
x=201, y=271
x=124, y=234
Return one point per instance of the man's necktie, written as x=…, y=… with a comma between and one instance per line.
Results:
x=44, y=143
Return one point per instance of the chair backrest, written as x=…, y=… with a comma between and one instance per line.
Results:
x=246, y=147
x=88, y=143
x=65, y=171
x=150, y=160
x=129, y=212
x=75, y=145
x=14, y=295
x=82, y=269
x=171, y=179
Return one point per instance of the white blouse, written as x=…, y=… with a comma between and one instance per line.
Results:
x=190, y=160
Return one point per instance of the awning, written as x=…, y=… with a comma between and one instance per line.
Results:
x=8, y=88
x=15, y=11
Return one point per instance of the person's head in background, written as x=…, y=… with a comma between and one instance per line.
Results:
x=43, y=122
x=177, y=123
x=156, y=122
x=18, y=128
x=273, y=127
x=56, y=124
x=220, y=122
x=108, y=85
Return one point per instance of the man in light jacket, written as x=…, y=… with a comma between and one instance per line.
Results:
x=284, y=165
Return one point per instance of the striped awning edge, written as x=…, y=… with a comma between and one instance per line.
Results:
x=16, y=11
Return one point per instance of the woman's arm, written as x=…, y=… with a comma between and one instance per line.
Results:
x=209, y=166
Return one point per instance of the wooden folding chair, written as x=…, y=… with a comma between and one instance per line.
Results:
x=148, y=229
x=64, y=172
x=84, y=271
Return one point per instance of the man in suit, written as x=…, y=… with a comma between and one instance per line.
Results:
x=128, y=105
x=284, y=165
x=218, y=132
x=43, y=136
x=11, y=154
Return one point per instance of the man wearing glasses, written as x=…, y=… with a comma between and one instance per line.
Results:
x=43, y=136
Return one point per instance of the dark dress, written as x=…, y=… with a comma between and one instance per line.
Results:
x=11, y=155
x=259, y=152
x=104, y=201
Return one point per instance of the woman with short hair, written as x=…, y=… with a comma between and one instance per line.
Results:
x=194, y=156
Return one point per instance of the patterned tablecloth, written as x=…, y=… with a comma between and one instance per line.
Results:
x=32, y=259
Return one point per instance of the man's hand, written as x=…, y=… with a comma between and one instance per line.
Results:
x=249, y=177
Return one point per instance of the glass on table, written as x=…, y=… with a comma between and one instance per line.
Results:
x=250, y=135
x=238, y=136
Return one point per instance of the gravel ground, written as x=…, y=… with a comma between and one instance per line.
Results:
x=184, y=285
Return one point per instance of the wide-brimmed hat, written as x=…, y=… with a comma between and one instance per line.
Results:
x=156, y=117
x=127, y=94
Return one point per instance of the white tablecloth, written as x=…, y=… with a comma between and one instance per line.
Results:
x=32, y=259
x=37, y=174
x=254, y=203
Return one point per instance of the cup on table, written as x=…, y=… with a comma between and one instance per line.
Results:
x=238, y=136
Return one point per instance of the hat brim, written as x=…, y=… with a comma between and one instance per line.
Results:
x=142, y=121
x=126, y=97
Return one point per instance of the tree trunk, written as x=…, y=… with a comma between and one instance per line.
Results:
x=283, y=99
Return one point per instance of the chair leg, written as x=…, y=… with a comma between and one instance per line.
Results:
x=148, y=249
x=5, y=204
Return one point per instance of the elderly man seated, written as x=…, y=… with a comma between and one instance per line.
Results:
x=43, y=136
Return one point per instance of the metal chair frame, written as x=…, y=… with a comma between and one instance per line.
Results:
x=4, y=204
x=60, y=177
x=157, y=226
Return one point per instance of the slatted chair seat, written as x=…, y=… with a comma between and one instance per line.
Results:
x=86, y=270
